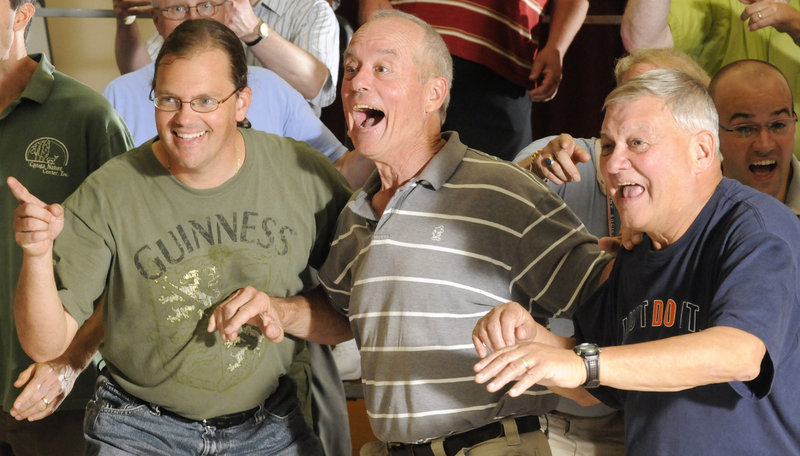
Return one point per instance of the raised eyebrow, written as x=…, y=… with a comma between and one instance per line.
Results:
x=786, y=111
x=740, y=116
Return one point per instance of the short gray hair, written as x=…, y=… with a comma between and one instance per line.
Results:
x=433, y=59
x=687, y=99
x=661, y=58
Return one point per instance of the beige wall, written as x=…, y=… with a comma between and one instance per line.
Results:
x=84, y=47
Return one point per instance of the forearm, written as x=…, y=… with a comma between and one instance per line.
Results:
x=129, y=49
x=579, y=395
x=44, y=327
x=366, y=8
x=296, y=66
x=310, y=316
x=716, y=355
x=568, y=17
x=86, y=342
x=644, y=24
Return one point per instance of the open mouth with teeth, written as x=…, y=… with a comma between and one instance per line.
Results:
x=630, y=189
x=190, y=135
x=365, y=116
x=763, y=167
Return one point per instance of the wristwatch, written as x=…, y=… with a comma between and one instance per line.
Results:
x=591, y=359
x=263, y=32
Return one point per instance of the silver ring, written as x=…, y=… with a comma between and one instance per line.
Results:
x=46, y=402
x=759, y=15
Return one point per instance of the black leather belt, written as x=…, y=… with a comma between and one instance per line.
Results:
x=219, y=422
x=454, y=443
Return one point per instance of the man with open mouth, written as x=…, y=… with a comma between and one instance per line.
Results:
x=695, y=330
x=756, y=129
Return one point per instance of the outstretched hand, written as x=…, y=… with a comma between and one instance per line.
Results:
x=563, y=154
x=247, y=306
x=36, y=224
x=529, y=363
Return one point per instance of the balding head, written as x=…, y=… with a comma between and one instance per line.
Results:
x=757, y=125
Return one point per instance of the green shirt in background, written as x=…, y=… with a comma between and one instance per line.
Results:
x=51, y=138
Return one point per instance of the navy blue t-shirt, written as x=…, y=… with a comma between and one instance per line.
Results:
x=737, y=266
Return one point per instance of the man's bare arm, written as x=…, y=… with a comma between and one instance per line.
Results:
x=295, y=65
x=308, y=316
x=44, y=326
x=644, y=24
x=715, y=355
x=129, y=49
x=568, y=17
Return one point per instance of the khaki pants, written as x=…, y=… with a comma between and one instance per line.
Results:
x=512, y=444
x=578, y=436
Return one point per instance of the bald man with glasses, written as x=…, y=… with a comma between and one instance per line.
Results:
x=757, y=129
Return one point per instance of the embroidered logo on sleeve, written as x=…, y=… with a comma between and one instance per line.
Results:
x=438, y=231
x=48, y=155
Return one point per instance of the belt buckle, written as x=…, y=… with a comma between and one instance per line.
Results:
x=400, y=449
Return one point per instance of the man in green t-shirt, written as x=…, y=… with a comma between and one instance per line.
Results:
x=54, y=131
x=204, y=213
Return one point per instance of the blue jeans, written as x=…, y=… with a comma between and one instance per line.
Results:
x=119, y=424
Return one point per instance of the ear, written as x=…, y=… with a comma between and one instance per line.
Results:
x=23, y=15
x=436, y=92
x=243, y=103
x=704, y=151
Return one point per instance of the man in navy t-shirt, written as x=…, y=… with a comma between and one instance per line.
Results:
x=694, y=334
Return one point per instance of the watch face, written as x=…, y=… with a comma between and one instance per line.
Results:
x=263, y=29
x=587, y=349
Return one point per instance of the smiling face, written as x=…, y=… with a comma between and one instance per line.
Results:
x=386, y=106
x=762, y=160
x=199, y=143
x=646, y=162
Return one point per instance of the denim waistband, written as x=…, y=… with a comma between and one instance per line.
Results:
x=285, y=387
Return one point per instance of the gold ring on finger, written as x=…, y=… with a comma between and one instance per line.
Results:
x=525, y=364
x=46, y=402
x=759, y=15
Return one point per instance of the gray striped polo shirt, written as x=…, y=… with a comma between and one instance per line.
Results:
x=469, y=233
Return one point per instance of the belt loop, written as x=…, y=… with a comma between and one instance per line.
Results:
x=511, y=432
x=437, y=446
x=544, y=424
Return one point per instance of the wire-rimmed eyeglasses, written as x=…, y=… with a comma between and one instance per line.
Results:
x=179, y=12
x=199, y=104
x=776, y=127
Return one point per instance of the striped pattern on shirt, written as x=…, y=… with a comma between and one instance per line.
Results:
x=469, y=233
x=494, y=33
x=311, y=25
